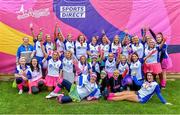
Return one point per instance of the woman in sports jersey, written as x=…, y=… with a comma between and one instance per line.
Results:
x=148, y=89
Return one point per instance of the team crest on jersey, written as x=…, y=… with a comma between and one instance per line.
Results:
x=50, y=65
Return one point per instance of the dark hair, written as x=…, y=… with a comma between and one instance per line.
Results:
x=154, y=75
x=160, y=34
x=32, y=67
x=135, y=53
x=78, y=39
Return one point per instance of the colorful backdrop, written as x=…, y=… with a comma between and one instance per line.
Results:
x=88, y=17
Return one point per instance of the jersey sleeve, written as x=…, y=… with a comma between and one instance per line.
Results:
x=16, y=71
x=158, y=93
x=29, y=75
x=89, y=66
x=18, y=53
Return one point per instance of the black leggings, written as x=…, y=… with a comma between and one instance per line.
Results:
x=37, y=89
x=67, y=85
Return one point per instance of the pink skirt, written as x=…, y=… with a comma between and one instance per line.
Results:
x=52, y=81
x=166, y=63
x=153, y=67
x=34, y=83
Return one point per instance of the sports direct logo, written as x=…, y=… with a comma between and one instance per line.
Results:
x=23, y=13
x=72, y=11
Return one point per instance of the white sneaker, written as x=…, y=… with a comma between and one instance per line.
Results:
x=52, y=94
x=20, y=91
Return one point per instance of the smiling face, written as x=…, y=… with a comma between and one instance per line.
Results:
x=34, y=62
x=81, y=39
x=150, y=77
x=25, y=41
x=39, y=37
x=116, y=74
x=48, y=38
x=104, y=40
x=69, y=37
x=102, y=75
x=22, y=61
x=134, y=57
x=159, y=38
x=94, y=40
x=136, y=39
x=151, y=43
x=83, y=59
x=123, y=59
x=93, y=79
x=116, y=39
x=68, y=54
x=126, y=40
x=59, y=36
x=94, y=59
x=148, y=38
x=110, y=56
x=55, y=56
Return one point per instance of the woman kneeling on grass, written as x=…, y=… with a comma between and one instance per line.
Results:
x=147, y=90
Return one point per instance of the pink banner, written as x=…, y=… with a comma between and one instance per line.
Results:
x=88, y=17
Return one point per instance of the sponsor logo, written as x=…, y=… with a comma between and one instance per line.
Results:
x=72, y=11
x=35, y=13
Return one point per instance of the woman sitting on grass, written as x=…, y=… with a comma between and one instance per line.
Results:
x=147, y=90
x=88, y=90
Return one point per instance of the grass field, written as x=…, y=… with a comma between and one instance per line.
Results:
x=11, y=102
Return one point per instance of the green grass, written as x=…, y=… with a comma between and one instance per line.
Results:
x=11, y=102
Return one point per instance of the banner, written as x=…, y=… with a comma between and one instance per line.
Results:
x=88, y=17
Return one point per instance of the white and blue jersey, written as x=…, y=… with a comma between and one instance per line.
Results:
x=59, y=45
x=22, y=71
x=114, y=48
x=69, y=46
x=139, y=49
x=68, y=69
x=86, y=88
x=122, y=67
x=136, y=70
x=38, y=49
x=95, y=67
x=84, y=68
x=163, y=52
x=154, y=58
x=125, y=50
x=35, y=75
x=49, y=46
x=67, y=65
x=24, y=51
x=106, y=48
x=147, y=91
x=80, y=50
x=54, y=68
x=110, y=66
x=94, y=49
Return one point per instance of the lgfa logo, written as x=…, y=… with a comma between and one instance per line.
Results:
x=23, y=13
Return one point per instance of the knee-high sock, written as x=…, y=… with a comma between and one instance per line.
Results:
x=57, y=89
x=20, y=86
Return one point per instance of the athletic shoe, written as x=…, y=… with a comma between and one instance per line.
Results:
x=52, y=94
x=20, y=92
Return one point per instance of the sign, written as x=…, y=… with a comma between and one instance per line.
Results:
x=72, y=11
x=88, y=17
